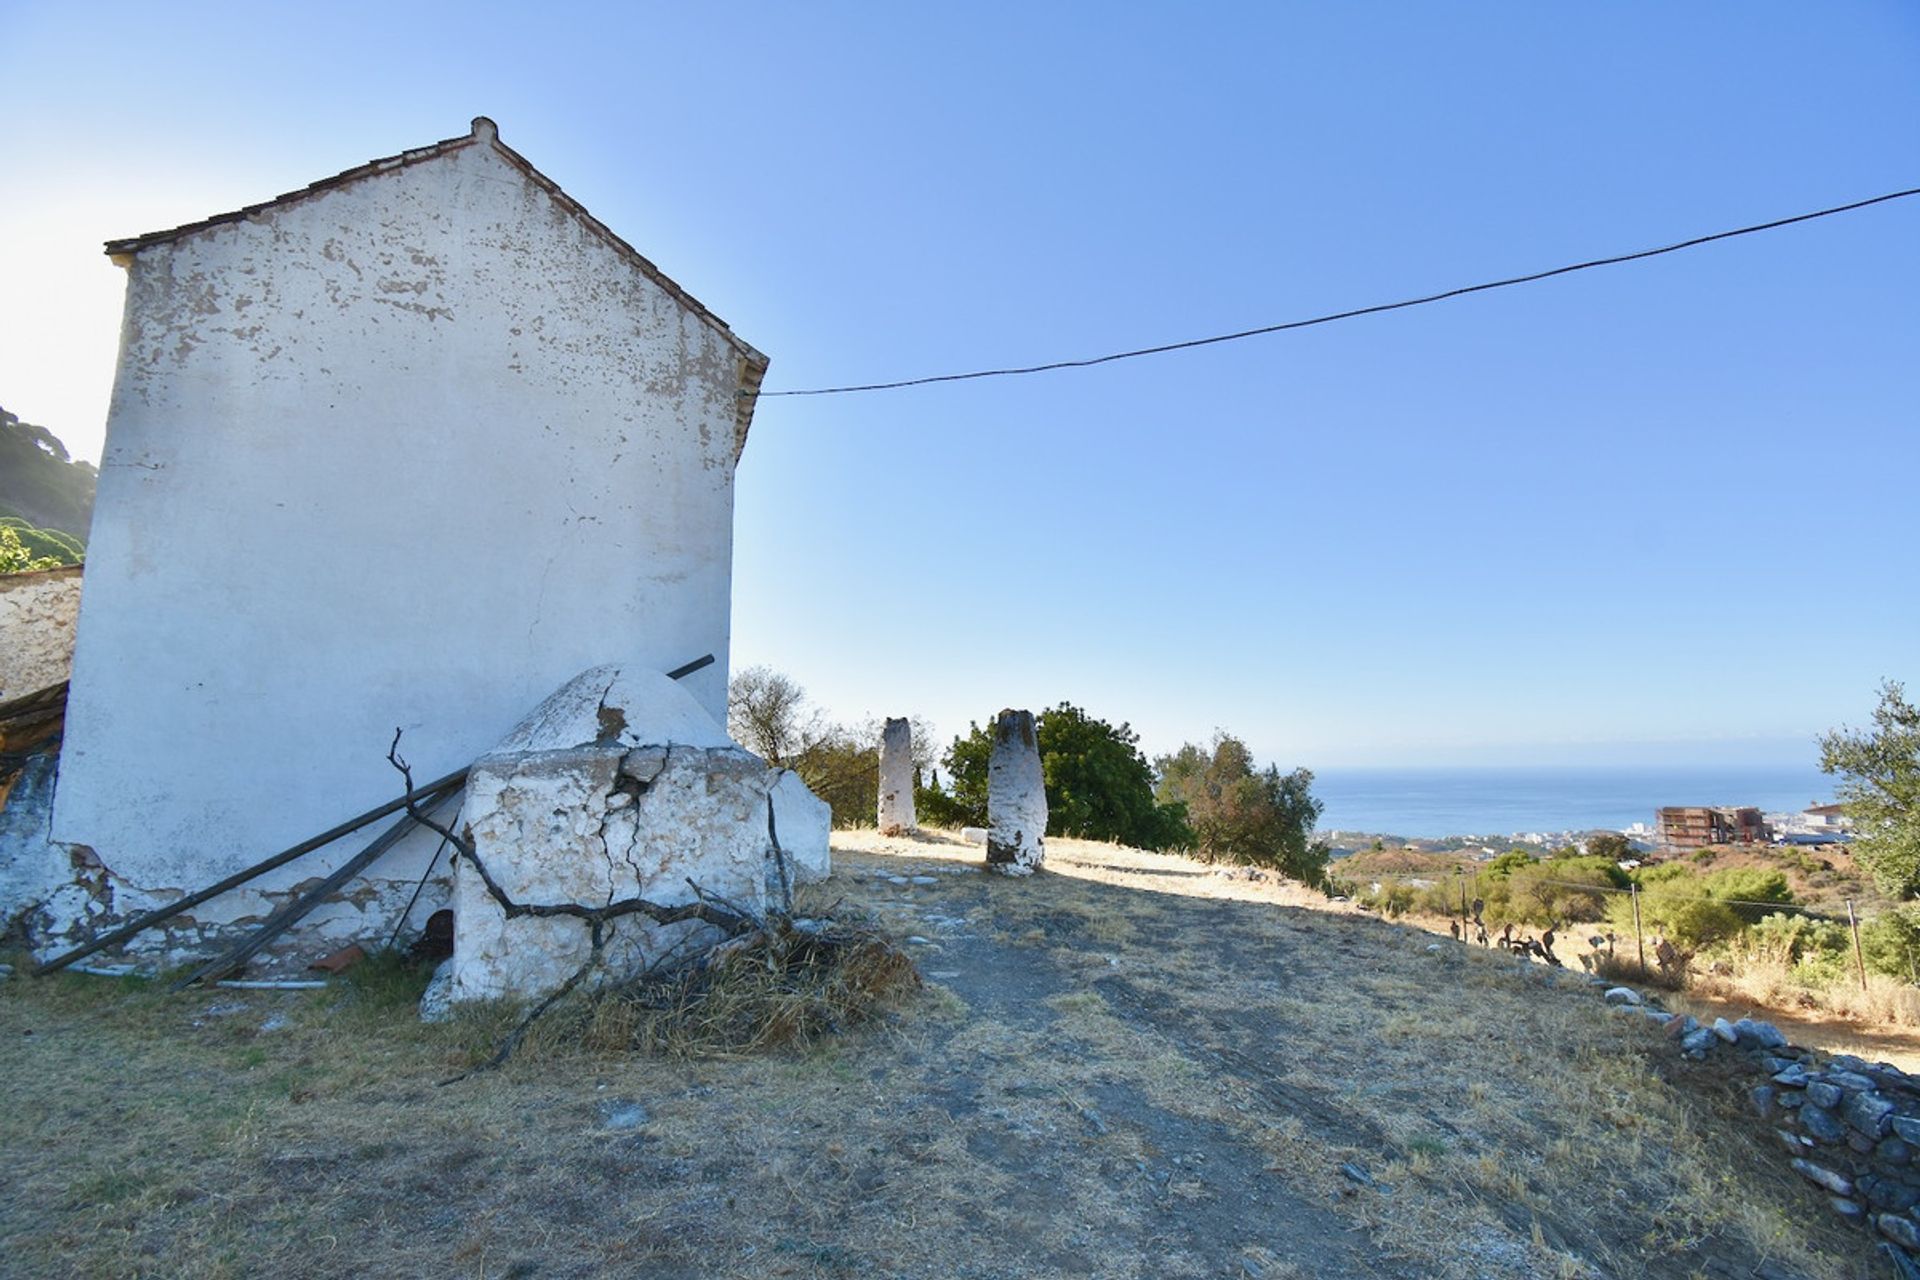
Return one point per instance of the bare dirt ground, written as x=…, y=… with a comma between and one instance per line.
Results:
x=1127, y=1066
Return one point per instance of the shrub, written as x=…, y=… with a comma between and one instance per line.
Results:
x=1391, y=899
x=20, y=555
x=1560, y=889
x=1787, y=939
x=1610, y=845
x=1517, y=888
x=1748, y=887
x=1693, y=910
x=1508, y=862
x=935, y=808
x=1891, y=944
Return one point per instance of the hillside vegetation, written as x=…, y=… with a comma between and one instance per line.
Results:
x=46, y=497
x=1762, y=926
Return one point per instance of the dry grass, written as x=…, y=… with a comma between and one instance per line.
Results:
x=1880, y=1023
x=785, y=990
x=1522, y=1127
x=1127, y=1067
x=1883, y=1003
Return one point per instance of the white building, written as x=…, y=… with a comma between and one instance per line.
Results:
x=1825, y=818
x=410, y=448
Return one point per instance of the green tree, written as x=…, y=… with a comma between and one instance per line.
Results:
x=1562, y=889
x=1697, y=910
x=1879, y=770
x=966, y=763
x=40, y=484
x=1673, y=909
x=1752, y=890
x=1241, y=814
x=1099, y=785
x=935, y=806
x=1610, y=845
x=1518, y=888
x=1509, y=862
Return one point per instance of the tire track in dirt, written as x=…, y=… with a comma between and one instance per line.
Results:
x=1209, y=1198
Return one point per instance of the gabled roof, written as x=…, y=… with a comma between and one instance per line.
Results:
x=484, y=133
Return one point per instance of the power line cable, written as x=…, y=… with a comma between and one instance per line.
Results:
x=1341, y=315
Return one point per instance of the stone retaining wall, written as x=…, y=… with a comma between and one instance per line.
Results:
x=1850, y=1127
x=37, y=612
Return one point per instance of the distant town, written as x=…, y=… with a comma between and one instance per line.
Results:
x=1673, y=827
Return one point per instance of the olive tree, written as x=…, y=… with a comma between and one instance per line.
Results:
x=1238, y=813
x=1879, y=770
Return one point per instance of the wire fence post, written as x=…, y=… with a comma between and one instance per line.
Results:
x=1858, y=959
x=1639, y=944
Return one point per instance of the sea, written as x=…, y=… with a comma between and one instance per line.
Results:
x=1434, y=803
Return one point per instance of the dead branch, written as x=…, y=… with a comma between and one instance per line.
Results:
x=413, y=809
x=708, y=895
x=780, y=861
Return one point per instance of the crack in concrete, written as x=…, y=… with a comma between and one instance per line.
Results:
x=628, y=772
x=606, y=851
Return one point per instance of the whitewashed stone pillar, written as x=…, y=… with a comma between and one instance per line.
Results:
x=896, y=778
x=1016, y=797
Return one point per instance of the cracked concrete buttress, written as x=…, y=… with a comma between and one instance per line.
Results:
x=618, y=786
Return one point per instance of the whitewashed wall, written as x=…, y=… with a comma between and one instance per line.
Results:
x=37, y=611
x=409, y=451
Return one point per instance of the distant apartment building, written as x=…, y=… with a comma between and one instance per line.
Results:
x=1826, y=817
x=1694, y=826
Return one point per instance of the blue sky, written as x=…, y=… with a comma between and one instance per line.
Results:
x=1663, y=512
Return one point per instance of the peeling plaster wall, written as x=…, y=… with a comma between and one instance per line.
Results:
x=53, y=895
x=37, y=611
x=410, y=451
x=33, y=869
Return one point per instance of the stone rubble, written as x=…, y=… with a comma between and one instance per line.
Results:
x=436, y=1002
x=623, y=1113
